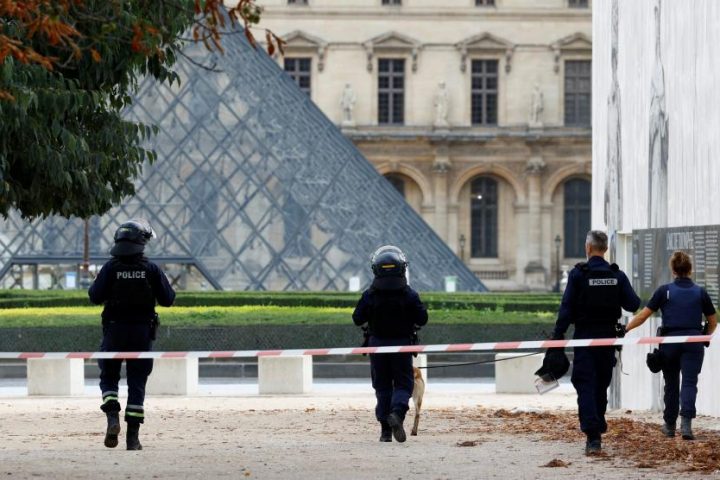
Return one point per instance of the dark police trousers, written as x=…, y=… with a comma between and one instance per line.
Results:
x=591, y=376
x=688, y=359
x=392, y=378
x=125, y=337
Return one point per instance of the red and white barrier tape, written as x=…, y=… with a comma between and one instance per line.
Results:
x=456, y=347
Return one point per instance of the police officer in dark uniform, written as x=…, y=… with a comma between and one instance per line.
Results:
x=393, y=312
x=595, y=294
x=683, y=304
x=128, y=285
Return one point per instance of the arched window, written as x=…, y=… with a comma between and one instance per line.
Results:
x=397, y=182
x=577, y=217
x=484, y=217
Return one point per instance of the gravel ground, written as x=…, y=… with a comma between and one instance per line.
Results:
x=333, y=435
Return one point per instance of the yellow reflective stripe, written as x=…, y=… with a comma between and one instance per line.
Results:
x=134, y=414
x=107, y=399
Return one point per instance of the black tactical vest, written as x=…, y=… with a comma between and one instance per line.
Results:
x=598, y=301
x=131, y=297
x=388, y=313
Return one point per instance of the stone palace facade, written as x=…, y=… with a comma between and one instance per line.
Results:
x=477, y=111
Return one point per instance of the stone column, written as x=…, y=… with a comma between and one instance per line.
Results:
x=535, y=273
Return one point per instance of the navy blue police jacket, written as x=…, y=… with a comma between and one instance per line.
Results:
x=129, y=288
x=390, y=308
x=683, y=303
x=571, y=311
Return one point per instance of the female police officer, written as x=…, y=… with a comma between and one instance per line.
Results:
x=129, y=285
x=683, y=303
x=393, y=312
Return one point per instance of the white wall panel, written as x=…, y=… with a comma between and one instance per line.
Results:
x=677, y=84
x=689, y=71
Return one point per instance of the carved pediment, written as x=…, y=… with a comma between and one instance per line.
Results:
x=485, y=43
x=576, y=43
x=301, y=41
x=389, y=42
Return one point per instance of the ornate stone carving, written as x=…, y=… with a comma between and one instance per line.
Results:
x=347, y=102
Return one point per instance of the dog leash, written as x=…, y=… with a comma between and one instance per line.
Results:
x=481, y=362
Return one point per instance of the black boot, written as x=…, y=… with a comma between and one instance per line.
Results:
x=396, y=424
x=686, y=428
x=385, y=432
x=133, y=442
x=113, y=429
x=668, y=429
x=593, y=445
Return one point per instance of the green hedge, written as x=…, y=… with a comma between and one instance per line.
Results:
x=436, y=301
x=61, y=317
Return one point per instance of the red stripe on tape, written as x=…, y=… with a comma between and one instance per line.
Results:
x=459, y=347
x=221, y=354
x=269, y=353
x=130, y=355
x=31, y=355
x=319, y=351
x=554, y=344
x=602, y=342
x=83, y=355
x=650, y=340
x=507, y=345
x=411, y=348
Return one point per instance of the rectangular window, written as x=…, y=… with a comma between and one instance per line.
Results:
x=484, y=92
x=297, y=2
x=392, y=2
x=300, y=70
x=578, y=3
x=391, y=91
x=578, y=83
x=484, y=3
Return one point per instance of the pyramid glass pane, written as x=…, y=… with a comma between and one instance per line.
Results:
x=254, y=186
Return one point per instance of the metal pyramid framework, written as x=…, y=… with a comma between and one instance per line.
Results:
x=253, y=186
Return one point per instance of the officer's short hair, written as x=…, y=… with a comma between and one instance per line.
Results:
x=681, y=264
x=598, y=240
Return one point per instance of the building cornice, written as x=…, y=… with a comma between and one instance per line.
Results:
x=464, y=135
x=514, y=14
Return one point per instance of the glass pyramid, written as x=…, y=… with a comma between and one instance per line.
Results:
x=253, y=186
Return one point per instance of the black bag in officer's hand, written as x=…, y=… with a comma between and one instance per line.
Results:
x=555, y=365
x=655, y=360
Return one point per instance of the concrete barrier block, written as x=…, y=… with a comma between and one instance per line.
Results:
x=282, y=375
x=173, y=376
x=421, y=362
x=55, y=376
x=516, y=375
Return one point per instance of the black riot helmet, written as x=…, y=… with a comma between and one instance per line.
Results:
x=131, y=237
x=555, y=365
x=388, y=261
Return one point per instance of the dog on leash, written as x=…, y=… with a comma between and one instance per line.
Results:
x=417, y=396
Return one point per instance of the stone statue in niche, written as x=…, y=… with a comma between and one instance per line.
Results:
x=347, y=102
x=442, y=105
x=536, y=107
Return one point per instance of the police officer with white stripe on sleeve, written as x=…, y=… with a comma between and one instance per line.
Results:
x=128, y=285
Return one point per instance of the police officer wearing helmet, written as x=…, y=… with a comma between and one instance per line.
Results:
x=129, y=286
x=393, y=312
x=683, y=304
x=595, y=295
